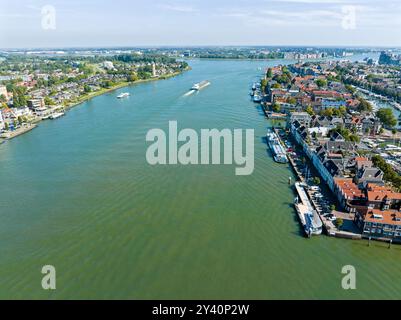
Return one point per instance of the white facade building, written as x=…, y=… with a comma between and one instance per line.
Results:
x=1, y=121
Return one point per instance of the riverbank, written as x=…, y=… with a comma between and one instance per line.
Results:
x=21, y=130
x=121, y=85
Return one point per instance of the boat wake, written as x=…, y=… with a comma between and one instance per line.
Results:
x=189, y=93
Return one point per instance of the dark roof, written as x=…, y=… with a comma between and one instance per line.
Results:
x=337, y=137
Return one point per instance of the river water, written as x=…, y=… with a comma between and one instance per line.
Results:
x=78, y=194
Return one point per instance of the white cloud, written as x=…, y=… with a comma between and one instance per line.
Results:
x=179, y=8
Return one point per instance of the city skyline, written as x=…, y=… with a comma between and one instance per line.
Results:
x=194, y=23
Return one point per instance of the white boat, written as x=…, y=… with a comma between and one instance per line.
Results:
x=278, y=151
x=200, y=85
x=308, y=217
x=123, y=95
x=56, y=115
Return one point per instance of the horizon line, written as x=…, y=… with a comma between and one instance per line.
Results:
x=199, y=46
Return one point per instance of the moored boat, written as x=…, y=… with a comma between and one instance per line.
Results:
x=123, y=95
x=308, y=217
x=278, y=151
x=56, y=115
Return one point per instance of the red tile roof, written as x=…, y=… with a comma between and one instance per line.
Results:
x=380, y=193
x=379, y=216
x=349, y=188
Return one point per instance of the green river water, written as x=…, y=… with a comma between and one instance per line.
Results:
x=77, y=193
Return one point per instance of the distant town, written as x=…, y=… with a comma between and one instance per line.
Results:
x=39, y=86
x=342, y=139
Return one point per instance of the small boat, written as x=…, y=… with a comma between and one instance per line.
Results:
x=56, y=115
x=123, y=95
x=200, y=85
x=257, y=98
x=308, y=217
x=278, y=151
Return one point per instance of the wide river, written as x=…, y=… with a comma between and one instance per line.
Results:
x=77, y=193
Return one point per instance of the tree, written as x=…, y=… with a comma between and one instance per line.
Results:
x=321, y=83
x=269, y=73
x=19, y=99
x=345, y=133
x=336, y=112
x=107, y=84
x=332, y=207
x=263, y=84
x=364, y=106
x=48, y=101
x=387, y=117
x=389, y=173
x=276, y=107
x=87, y=88
x=353, y=138
x=339, y=223
x=132, y=77
x=343, y=110
x=328, y=112
x=316, y=180
x=394, y=132
x=292, y=100
x=6, y=126
x=276, y=86
x=310, y=110
x=350, y=88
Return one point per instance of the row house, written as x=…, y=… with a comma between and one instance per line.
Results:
x=348, y=194
x=332, y=103
x=382, y=197
x=330, y=161
x=369, y=175
x=328, y=158
x=371, y=125
x=302, y=118
x=380, y=224
x=329, y=122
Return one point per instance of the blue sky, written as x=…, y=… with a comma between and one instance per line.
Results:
x=201, y=22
